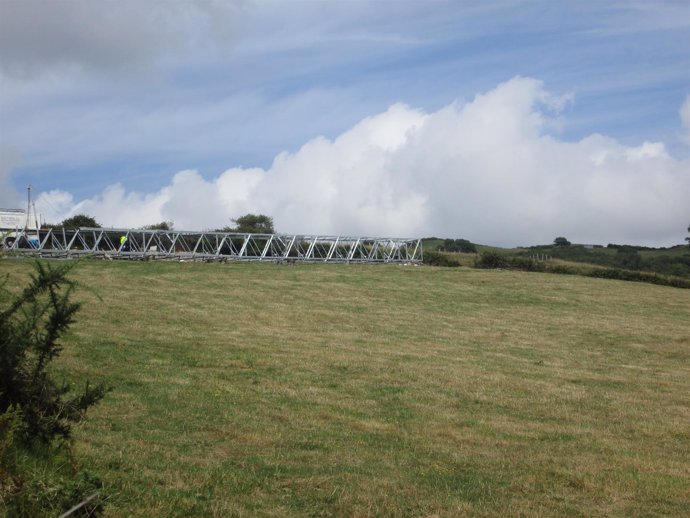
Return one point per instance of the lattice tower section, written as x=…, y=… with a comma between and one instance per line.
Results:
x=211, y=246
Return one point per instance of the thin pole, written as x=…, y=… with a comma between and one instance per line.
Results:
x=28, y=207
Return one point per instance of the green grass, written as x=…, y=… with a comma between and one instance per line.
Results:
x=326, y=390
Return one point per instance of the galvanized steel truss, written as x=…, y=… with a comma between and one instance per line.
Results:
x=222, y=246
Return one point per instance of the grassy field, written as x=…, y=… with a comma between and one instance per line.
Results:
x=325, y=390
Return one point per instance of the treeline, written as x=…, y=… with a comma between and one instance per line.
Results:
x=249, y=223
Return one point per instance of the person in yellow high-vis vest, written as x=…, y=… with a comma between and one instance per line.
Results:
x=124, y=247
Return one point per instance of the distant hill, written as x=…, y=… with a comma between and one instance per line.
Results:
x=673, y=261
x=665, y=261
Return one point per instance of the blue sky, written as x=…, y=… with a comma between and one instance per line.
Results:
x=109, y=107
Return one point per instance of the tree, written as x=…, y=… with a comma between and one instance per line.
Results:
x=79, y=221
x=561, y=241
x=163, y=225
x=459, y=245
x=688, y=238
x=254, y=223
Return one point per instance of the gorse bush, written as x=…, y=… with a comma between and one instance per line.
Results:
x=30, y=328
x=37, y=472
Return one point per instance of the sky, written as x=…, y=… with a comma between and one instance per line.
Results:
x=505, y=122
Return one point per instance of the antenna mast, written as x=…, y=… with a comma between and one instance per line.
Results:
x=28, y=208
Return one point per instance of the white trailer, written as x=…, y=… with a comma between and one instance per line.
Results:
x=19, y=228
x=12, y=219
x=14, y=222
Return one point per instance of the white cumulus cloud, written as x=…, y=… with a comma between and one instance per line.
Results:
x=489, y=170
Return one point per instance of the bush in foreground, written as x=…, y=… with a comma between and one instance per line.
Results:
x=38, y=476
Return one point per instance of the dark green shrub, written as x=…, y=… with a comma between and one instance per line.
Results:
x=621, y=275
x=494, y=260
x=525, y=264
x=440, y=259
x=628, y=258
x=31, y=326
x=38, y=476
x=678, y=265
x=491, y=260
x=628, y=275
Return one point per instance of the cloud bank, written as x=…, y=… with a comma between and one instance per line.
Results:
x=8, y=196
x=491, y=170
x=38, y=37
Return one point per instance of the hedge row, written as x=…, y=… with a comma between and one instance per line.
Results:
x=493, y=260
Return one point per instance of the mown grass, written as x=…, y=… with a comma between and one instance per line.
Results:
x=324, y=390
